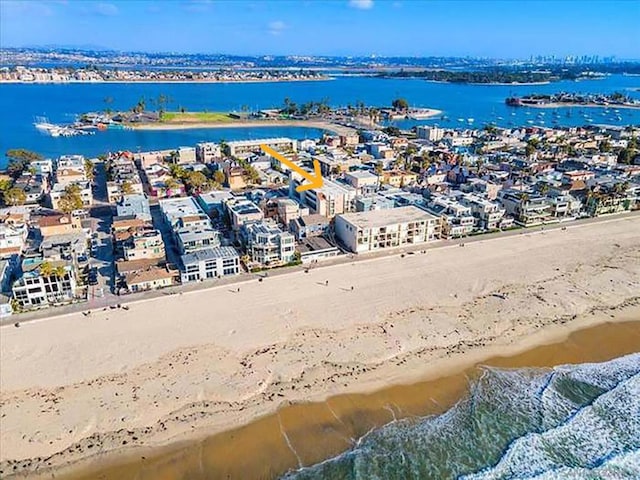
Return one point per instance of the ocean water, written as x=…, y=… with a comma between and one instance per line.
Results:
x=568, y=422
x=21, y=104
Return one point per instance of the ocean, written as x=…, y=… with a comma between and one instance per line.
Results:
x=569, y=422
x=20, y=104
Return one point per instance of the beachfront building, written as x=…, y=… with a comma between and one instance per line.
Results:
x=209, y=263
x=489, y=215
x=149, y=278
x=528, y=209
x=316, y=249
x=563, y=206
x=456, y=218
x=44, y=283
x=267, y=244
x=379, y=229
x=282, y=145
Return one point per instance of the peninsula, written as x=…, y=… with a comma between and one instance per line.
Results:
x=614, y=100
x=94, y=74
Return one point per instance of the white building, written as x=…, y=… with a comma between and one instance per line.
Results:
x=282, y=145
x=180, y=211
x=267, y=244
x=331, y=199
x=208, y=152
x=379, y=229
x=210, y=263
x=433, y=134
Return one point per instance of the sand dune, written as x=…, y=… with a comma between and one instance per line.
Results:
x=187, y=365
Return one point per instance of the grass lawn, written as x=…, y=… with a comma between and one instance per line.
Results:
x=209, y=117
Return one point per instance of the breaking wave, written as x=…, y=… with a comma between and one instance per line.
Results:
x=568, y=422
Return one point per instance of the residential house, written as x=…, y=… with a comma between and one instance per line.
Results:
x=210, y=263
x=313, y=225
x=36, y=288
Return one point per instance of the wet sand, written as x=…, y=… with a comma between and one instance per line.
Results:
x=308, y=433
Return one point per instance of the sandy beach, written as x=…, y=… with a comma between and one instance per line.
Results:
x=184, y=367
x=320, y=125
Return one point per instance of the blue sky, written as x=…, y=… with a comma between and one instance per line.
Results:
x=506, y=29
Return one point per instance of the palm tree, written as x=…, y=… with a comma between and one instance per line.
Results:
x=46, y=269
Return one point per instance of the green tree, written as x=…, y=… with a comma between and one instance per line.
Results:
x=393, y=131
x=196, y=181
x=15, y=196
x=23, y=154
x=5, y=184
x=70, y=200
x=89, y=169
x=219, y=177
x=400, y=104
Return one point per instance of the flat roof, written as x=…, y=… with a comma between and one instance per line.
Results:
x=209, y=254
x=391, y=216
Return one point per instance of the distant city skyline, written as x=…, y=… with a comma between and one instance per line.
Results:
x=496, y=29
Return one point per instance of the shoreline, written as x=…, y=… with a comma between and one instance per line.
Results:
x=318, y=428
x=100, y=82
x=576, y=105
x=158, y=377
x=320, y=125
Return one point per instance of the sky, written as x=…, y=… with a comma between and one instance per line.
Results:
x=498, y=29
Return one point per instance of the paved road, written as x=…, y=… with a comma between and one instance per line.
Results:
x=112, y=301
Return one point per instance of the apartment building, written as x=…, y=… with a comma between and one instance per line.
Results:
x=267, y=244
x=210, y=263
x=332, y=199
x=282, y=145
x=379, y=229
x=433, y=134
x=208, y=152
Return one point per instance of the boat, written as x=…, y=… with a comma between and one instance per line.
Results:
x=470, y=120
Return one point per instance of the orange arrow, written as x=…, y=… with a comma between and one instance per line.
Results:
x=315, y=178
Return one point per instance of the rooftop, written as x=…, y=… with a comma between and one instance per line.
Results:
x=382, y=218
x=209, y=254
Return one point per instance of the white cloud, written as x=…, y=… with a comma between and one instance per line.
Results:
x=276, y=27
x=105, y=9
x=361, y=4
